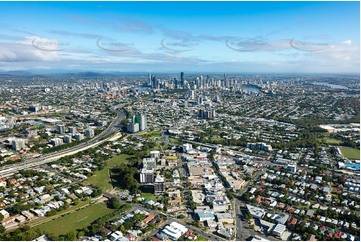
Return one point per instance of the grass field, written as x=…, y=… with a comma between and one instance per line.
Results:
x=172, y=157
x=333, y=141
x=77, y=220
x=101, y=178
x=350, y=153
x=148, y=195
x=175, y=141
x=216, y=139
x=201, y=238
x=68, y=210
x=152, y=134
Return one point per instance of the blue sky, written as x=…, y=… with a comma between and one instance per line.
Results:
x=181, y=36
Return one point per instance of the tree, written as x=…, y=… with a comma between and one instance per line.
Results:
x=70, y=236
x=51, y=213
x=2, y=229
x=230, y=195
x=247, y=216
x=182, y=216
x=81, y=233
x=97, y=192
x=114, y=203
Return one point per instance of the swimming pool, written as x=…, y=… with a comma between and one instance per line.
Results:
x=355, y=166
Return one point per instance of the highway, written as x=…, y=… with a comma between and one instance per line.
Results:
x=11, y=169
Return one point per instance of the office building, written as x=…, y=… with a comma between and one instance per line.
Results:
x=155, y=154
x=133, y=128
x=186, y=147
x=60, y=129
x=18, y=144
x=34, y=108
x=206, y=113
x=154, y=83
x=72, y=130
x=292, y=168
x=200, y=100
x=67, y=139
x=149, y=163
x=138, y=123
x=182, y=80
x=79, y=137
x=147, y=176
x=159, y=184
x=89, y=133
x=28, y=133
x=216, y=99
x=149, y=79
x=142, y=122
x=56, y=141
x=259, y=146
x=191, y=94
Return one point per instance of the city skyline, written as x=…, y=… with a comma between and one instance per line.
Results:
x=248, y=37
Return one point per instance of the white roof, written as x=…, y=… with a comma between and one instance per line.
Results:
x=182, y=228
x=255, y=211
x=280, y=228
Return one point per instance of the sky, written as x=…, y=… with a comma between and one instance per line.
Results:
x=265, y=37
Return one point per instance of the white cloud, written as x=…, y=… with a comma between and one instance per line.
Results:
x=24, y=50
x=347, y=42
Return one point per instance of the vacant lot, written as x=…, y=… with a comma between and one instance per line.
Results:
x=76, y=220
x=151, y=134
x=333, y=141
x=101, y=178
x=350, y=153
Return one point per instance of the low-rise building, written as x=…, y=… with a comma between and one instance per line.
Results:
x=279, y=230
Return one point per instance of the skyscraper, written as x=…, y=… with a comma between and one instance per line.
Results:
x=137, y=123
x=136, y=119
x=154, y=82
x=143, y=122
x=200, y=100
x=182, y=79
x=191, y=94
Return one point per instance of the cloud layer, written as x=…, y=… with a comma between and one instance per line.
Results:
x=141, y=46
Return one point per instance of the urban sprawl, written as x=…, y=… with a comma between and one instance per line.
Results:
x=188, y=157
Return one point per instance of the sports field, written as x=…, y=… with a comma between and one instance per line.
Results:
x=350, y=153
x=76, y=220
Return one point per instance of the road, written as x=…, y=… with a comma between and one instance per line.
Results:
x=11, y=169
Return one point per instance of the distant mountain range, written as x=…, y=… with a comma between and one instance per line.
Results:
x=90, y=74
x=17, y=73
x=72, y=73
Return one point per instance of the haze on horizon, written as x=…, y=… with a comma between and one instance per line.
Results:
x=275, y=37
